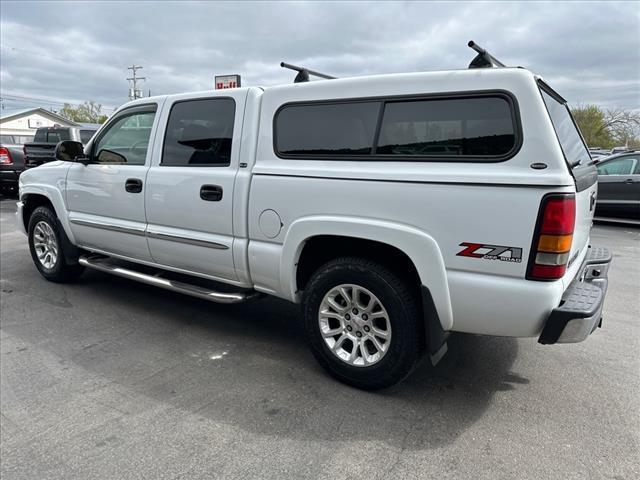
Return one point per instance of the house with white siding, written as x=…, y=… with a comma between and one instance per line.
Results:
x=22, y=124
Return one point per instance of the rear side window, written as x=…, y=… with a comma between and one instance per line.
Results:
x=478, y=127
x=52, y=135
x=327, y=129
x=85, y=135
x=462, y=127
x=199, y=133
x=574, y=149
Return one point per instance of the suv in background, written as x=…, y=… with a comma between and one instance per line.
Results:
x=41, y=150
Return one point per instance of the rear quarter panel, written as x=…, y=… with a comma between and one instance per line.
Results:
x=448, y=202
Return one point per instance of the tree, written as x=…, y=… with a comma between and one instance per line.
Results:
x=591, y=121
x=88, y=112
x=608, y=128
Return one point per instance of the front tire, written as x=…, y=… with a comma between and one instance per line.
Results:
x=362, y=322
x=47, y=243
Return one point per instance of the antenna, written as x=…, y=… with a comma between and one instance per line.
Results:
x=303, y=73
x=484, y=59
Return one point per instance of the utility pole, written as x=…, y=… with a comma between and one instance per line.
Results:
x=134, y=92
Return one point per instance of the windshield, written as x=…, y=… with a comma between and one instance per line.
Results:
x=574, y=149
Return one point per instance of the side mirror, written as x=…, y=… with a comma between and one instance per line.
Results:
x=70, y=151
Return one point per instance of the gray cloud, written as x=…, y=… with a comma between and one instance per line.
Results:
x=80, y=51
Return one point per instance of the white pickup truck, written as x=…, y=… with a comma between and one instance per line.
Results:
x=394, y=208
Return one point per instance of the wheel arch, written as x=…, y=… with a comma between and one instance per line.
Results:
x=34, y=196
x=417, y=248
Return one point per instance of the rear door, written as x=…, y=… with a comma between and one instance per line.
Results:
x=189, y=199
x=579, y=162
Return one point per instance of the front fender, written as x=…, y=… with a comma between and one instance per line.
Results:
x=31, y=184
x=419, y=246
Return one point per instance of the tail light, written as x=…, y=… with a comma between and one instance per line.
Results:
x=5, y=156
x=553, y=237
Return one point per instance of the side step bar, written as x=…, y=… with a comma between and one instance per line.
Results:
x=102, y=264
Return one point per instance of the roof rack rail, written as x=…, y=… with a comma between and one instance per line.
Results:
x=484, y=59
x=303, y=73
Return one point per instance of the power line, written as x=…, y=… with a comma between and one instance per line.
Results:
x=134, y=92
x=25, y=99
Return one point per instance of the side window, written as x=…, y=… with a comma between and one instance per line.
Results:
x=199, y=133
x=571, y=143
x=462, y=127
x=619, y=166
x=327, y=129
x=126, y=140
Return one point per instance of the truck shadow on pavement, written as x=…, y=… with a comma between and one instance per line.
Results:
x=248, y=366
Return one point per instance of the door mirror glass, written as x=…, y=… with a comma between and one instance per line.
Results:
x=70, y=151
x=109, y=156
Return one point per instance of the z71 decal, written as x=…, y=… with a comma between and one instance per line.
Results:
x=491, y=252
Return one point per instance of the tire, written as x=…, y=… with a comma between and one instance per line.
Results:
x=396, y=357
x=46, y=235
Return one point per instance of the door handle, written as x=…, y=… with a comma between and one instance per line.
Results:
x=629, y=180
x=211, y=193
x=133, y=185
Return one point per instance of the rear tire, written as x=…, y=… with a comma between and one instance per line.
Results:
x=49, y=247
x=368, y=347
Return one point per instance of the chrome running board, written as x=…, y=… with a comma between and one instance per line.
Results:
x=104, y=265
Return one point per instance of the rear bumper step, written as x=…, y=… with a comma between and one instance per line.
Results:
x=105, y=264
x=580, y=311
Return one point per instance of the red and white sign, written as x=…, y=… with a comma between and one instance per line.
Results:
x=227, y=81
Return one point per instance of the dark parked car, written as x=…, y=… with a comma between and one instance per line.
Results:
x=41, y=150
x=11, y=163
x=619, y=186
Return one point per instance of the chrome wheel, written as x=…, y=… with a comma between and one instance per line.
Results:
x=354, y=325
x=45, y=244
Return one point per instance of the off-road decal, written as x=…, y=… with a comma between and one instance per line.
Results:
x=491, y=252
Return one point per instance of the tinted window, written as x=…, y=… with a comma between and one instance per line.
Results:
x=448, y=127
x=327, y=129
x=126, y=140
x=199, y=133
x=572, y=145
x=56, y=135
x=85, y=135
x=619, y=166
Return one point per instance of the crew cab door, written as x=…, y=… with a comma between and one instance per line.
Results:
x=189, y=195
x=106, y=197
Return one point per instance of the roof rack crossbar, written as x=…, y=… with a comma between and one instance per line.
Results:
x=303, y=73
x=484, y=59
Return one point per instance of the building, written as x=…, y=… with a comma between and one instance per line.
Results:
x=22, y=124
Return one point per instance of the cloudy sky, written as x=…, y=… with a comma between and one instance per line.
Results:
x=72, y=52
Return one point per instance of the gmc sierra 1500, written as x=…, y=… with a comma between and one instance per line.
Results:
x=395, y=208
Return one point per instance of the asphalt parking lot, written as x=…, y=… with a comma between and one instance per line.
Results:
x=111, y=379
